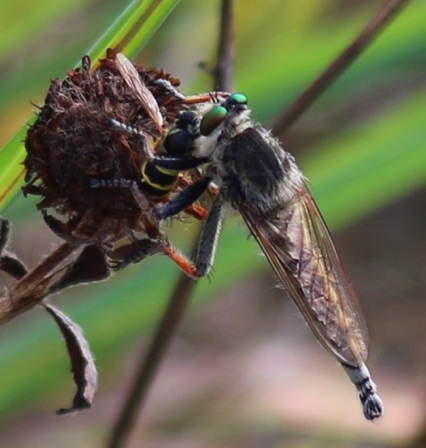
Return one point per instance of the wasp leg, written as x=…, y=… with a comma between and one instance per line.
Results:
x=12, y=266
x=142, y=201
x=151, y=222
x=209, y=236
x=210, y=97
x=131, y=253
x=206, y=249
x=133, y=130
x=197, y=212
x=184, y=199
x=9, y=263
x=113, y=183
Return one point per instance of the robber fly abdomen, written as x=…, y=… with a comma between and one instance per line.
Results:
x=262, y=181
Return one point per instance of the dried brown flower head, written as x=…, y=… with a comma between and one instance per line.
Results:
x=74, y=140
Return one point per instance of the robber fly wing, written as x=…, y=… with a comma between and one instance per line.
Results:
x=300, y=250
x=142, y=93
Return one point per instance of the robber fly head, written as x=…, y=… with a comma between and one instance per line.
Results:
x=250, y=164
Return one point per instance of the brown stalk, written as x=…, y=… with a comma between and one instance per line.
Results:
x=338, y=66
x=184, y=288
x=225, y=68
x=150, y=362
x=31, y=289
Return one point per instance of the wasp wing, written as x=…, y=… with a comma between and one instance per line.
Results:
x=300, y=250
x=142, y=93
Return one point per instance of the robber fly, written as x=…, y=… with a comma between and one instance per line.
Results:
x=263, y=183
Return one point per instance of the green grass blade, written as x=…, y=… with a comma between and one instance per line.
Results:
x=12, y=171
x=361, y=170
x=129, y=32
x=133, y=28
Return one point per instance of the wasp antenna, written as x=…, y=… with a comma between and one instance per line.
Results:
x=367, y=391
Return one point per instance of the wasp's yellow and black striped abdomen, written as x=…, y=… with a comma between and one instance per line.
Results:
x=158, y=182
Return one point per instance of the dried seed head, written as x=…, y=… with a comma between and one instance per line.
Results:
x=73, y=140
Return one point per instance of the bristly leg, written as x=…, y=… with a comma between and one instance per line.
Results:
x=9, y=263
x=132, y=253
x=4, y=233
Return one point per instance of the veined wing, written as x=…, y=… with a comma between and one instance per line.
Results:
x=142, y=93
x=300, y=250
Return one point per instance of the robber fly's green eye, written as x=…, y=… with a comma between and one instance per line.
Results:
x=236, y=101
x=238, y=98
x=212, y=120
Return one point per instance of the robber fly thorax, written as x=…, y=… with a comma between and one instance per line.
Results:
x=265, y=176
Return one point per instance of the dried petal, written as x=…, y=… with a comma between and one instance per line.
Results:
x=82, y=363
x=90, y=266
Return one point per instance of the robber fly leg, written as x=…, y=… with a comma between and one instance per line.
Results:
x=197, y=212
x=183, y=200
x=9, y=263
x=207, y=244
x=209, y=235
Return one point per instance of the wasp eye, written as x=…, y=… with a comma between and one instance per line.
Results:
x=186, y=118
x=178, y=142
x=212, y=119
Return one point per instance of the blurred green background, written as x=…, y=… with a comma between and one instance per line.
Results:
x=244, y=370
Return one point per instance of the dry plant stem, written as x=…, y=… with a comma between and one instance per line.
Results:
x=31, y=289
x=224, y=72
x=338, y=66
x=182, y=293
x=149, y=366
